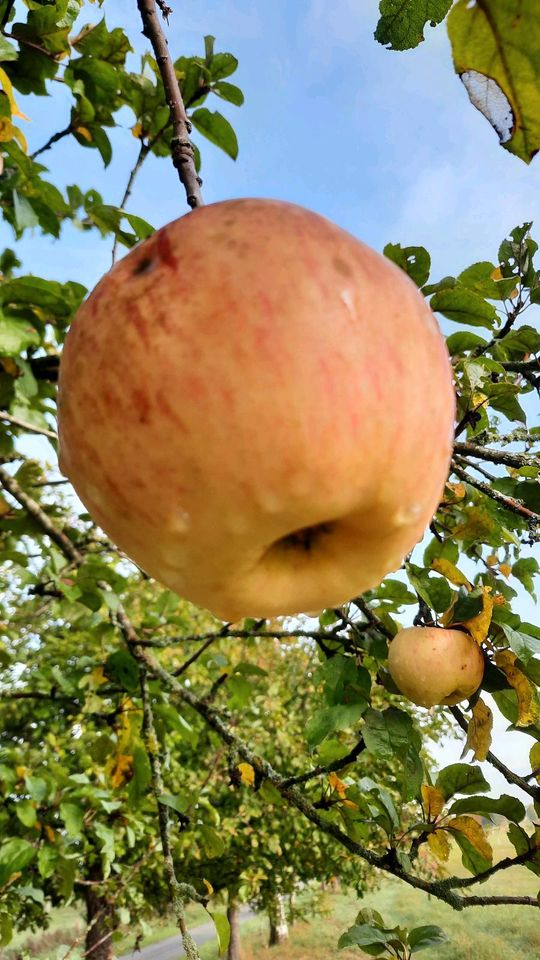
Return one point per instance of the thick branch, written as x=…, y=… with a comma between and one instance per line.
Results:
x=522, y=366
x=242, y=635
x=508, y=774
x=182, y=151
x=497, y=456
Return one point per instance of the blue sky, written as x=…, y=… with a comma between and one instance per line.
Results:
x=385, y=144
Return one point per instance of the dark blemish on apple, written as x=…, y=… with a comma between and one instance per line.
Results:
x=143, y=266
x=342, y=267
x=165, y=250
x=141, y=405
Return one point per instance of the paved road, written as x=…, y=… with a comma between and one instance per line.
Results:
x=170, y=948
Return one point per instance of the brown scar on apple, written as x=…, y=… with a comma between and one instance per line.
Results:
x=342, y=267
x=144, y=265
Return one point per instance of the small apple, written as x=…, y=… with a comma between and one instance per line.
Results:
x=431, y=665
x=258, y=409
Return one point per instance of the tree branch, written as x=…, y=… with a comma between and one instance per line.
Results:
x=329, y=768
x=508, y=774
x=52, y=140
x=17, y=422
x=152, y=749
x=34, y=510
x=182, y=151
x=508, y=503
x=497, y=456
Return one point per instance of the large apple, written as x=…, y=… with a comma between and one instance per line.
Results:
x=431, y=665
x=258, y=409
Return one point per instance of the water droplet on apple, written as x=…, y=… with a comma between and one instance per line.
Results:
x=407, y=514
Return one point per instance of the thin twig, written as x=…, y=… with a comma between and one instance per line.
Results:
x=329, y=768
x=52, y=140
x=17, y=422
x=508, y=774
x=183, y=156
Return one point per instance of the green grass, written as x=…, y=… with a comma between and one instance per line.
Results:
x=477, y=933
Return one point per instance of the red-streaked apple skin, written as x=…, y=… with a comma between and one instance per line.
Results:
x=431, y=665
x=249, y=371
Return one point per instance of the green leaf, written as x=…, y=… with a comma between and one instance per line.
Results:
x=7, y=50
x=461, y=778
x=123, y=669
x=469, y=603
x=16, y=335
x=504, y=806
x=433, y=588
x=525, y=570
x=229, y=92
x=391, y=734
x=73, y=816
x=223, y=930
x=463, y=340
x=25, y=215
x=15, y=855
x=524, y=646
x=174, y=803
x=422, y=937
x=464, y=306
x=223, y=64
x=497, y=56
x=217, y=129
x=142, y=777
x=6, y=930
x=364, y=935
x=472, y=859
x=414, y=261
x=340, y=717
x=212, y=842
x=26, y=812
x=402, y=22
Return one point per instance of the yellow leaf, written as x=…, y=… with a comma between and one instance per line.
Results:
x=457, y=490
x=247, y=774
x=337, y=785
x=21, y=772
x=121, y=770
x=8, y=90
x=474, y=832
x=7, y=130
x=499, y=600
x=478, y=626
x=534, y=757
x=451, y=572
x=505, y=569
x=492, y=560
x=98, y=677
x=528, y=711
x=433, y=801
x=10, y=367
x=5, y=508
x=20, y=137
x=350, y=803
x=208, y=886
x=49, y=833
x=479, y=730
x=137, y=130
x=497, y=274
x=439, y=845
x=84, y=133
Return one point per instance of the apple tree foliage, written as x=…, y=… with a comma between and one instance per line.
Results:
x=151, y=754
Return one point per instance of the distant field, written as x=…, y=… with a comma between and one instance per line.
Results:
x=479, y=933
